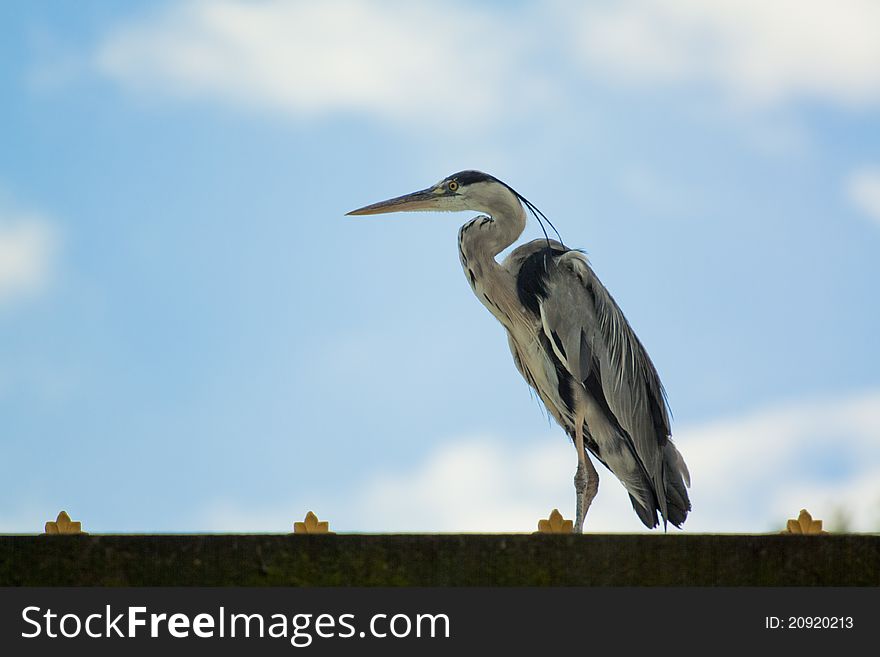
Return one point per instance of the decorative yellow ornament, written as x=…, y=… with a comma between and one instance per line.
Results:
x=555, y=524
x=311, y=525
x=804, y=525
x=64, y=525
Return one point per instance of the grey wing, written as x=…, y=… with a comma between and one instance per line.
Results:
x=593, y=339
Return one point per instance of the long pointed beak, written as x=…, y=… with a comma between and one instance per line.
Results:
x=425, y=199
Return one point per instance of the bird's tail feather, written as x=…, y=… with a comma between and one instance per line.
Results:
x=648, y=517
x=676, y=479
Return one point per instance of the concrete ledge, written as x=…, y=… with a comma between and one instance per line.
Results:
x=440, y=560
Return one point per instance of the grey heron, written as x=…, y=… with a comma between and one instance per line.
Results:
x=570, y=342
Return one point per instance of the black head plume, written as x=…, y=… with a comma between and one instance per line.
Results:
x=470, y=177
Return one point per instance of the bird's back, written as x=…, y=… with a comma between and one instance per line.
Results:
x=586, y=342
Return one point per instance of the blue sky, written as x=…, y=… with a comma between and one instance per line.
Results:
x=194, y=338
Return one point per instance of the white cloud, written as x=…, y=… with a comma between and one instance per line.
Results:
x=749, y=475
x=474, y=485
x=757, y=52
x=469, y=484
x=27, y=249
x=455, y=65
x=863, y=191
x=399, y=60
x=751, y=472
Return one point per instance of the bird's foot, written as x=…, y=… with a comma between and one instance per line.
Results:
x=585, y=488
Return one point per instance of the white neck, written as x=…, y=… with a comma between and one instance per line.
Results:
x=484, y=238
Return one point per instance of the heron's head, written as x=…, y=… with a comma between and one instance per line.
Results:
x=465, y=190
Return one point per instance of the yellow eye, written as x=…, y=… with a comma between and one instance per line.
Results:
x=452, y=186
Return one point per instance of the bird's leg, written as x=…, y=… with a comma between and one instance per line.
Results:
x=586, y=479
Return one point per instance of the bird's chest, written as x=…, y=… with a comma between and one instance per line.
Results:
x=490, y=290
x=491, y=283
